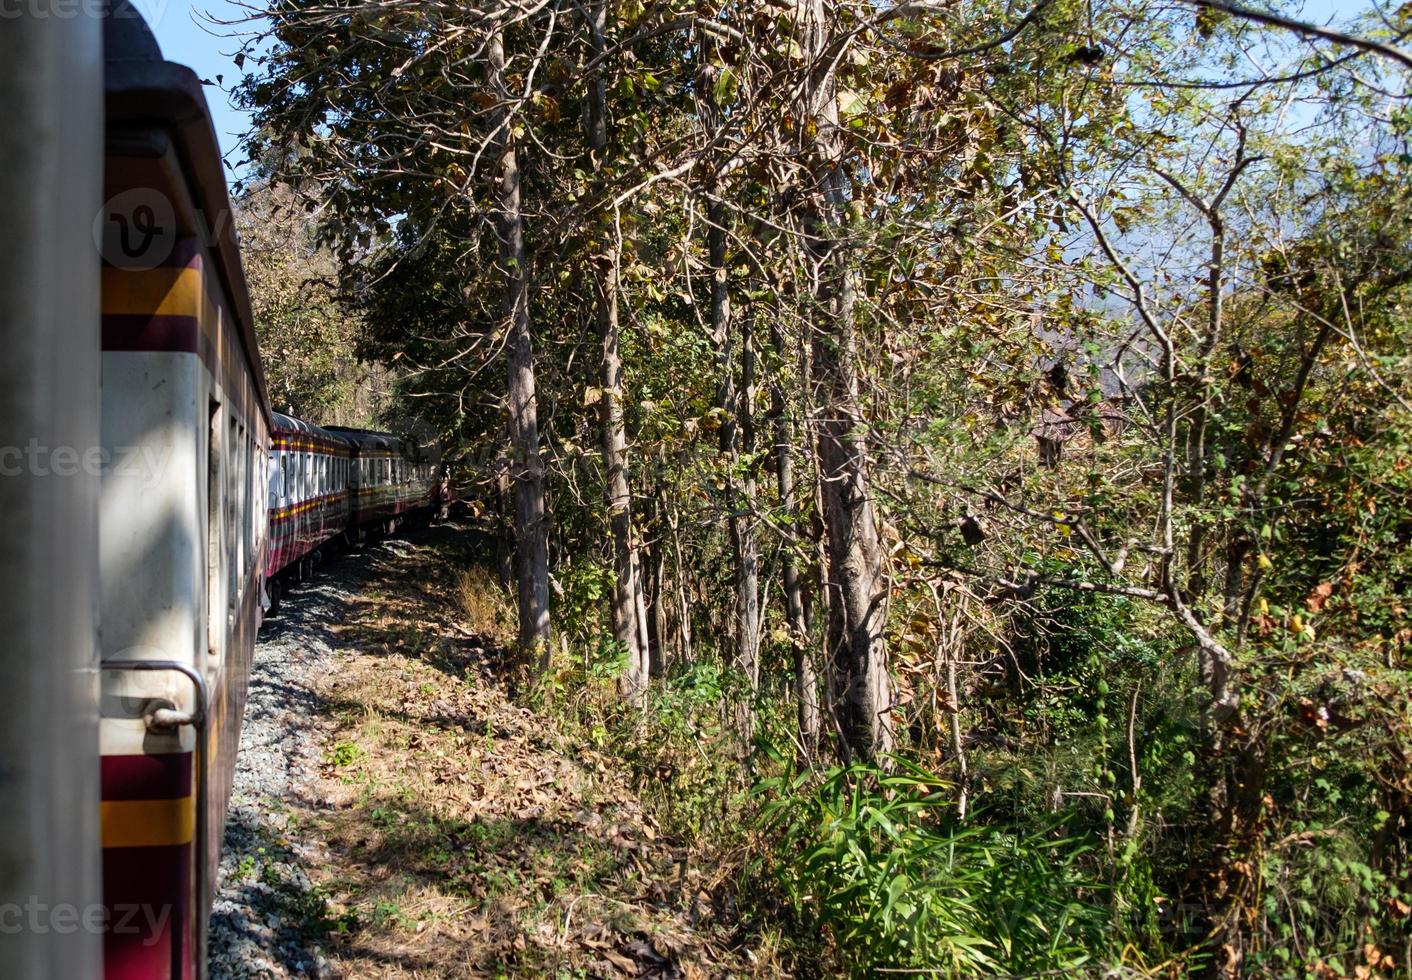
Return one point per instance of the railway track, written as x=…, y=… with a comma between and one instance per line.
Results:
x=397, y=812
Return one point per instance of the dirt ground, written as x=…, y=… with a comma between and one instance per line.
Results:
x=447, y=829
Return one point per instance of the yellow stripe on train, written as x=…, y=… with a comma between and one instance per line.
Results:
x=148, y=823
x=153, y=292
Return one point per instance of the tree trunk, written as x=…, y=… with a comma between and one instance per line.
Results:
x=806, y=684
x=744, y=539
x=505, y=524
x=860, y=689
x=739, y=490
x=733, y=403
x=657, y=576
x=685, y=648
x=526, y=468
x=629, y=614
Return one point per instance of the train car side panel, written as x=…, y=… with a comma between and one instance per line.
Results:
x=183, y=527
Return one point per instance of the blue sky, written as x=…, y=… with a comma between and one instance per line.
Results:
x=187, y=37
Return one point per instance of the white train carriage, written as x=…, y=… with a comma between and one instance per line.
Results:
x=309, y=499
x=182, y=519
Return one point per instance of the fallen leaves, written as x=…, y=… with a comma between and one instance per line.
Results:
x=475, y=840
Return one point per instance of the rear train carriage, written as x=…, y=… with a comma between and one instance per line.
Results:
x=309, y=503
x=182, y=519
x=389, y=488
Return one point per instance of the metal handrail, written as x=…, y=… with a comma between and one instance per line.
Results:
x=197, y=720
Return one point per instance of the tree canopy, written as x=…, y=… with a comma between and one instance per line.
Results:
x=1009, y=399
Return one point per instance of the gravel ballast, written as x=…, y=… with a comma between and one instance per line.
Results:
x=259, y=926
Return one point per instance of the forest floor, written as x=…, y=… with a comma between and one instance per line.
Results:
x=401, y=812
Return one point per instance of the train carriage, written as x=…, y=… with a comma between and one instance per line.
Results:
x=309, y=500
x=388, y=488
x=182, y=519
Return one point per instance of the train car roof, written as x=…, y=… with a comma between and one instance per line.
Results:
x=160, y=135
x=368, y=438
x=288, y=423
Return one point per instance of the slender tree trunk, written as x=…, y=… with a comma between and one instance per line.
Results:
x=657, y=564
x=685, y=648
x=505, y=525
x=744, y=539
x=806, y=684
x=860, y=688
x=734, y=405
x=629, y=614
x=526, y=468
x=740, y=491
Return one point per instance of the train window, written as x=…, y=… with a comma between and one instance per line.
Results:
x=230, y=476
x=213, y=533
x=237, y=445
x=254, y=515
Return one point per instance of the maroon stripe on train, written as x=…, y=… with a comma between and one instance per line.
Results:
x=147, y=777
x=184, y=253
x=180, y=335
x=147, y=894
x=144, y=332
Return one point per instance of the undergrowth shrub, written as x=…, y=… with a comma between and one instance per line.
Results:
x=483, y=603
x=877, y=861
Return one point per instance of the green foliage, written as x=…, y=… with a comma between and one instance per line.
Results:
x=307, y=333
x=879, y=860
x=1032, y=238
x=345, y=754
